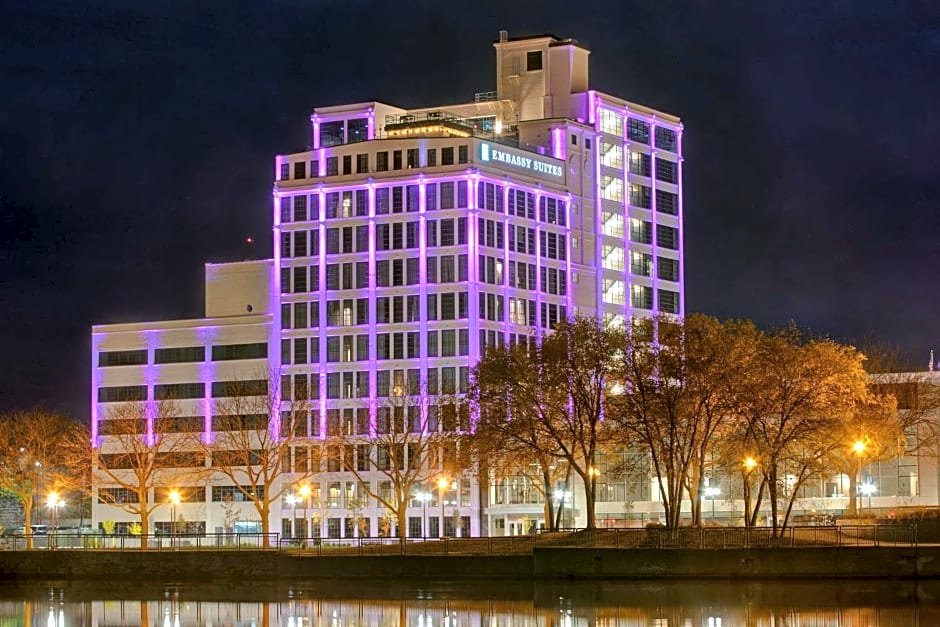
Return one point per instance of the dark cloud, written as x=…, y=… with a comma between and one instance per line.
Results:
x=137, y=142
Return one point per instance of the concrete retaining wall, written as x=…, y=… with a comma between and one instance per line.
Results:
x=868, y=562
x=583, y=564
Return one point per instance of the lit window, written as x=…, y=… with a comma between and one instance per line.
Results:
x=611, y=122
x=614, y=291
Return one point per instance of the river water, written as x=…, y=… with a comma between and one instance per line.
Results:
x=458, y=604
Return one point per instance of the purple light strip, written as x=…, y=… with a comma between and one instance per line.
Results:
x=592, y=104
x=558, y=143
x=538, y=264
x=598, y=213
x=150, y=378
x=274, y=344
x=371, y=123
x=628, y=252
x=423, y=293
x=682, y=311
x=505, y=285
x=316, y=131
x=569, y=292
x=95, y=384
x=321, y=296
x=206, y=376
x=373, y=360
x=473, y=270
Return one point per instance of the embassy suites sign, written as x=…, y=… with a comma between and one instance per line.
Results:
x=521, y=160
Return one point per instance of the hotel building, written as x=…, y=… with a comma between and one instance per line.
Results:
x=406, y=241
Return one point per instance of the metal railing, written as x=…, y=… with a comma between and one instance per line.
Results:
x=655, y=538
x=161, y=542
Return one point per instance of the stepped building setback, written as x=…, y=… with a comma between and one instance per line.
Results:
x=406, y=241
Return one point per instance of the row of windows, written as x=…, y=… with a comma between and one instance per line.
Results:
x=406, y=199
x=184, y=354
x=388, y=383
x=389, y=236
x=638, y=130
x=641, y=264
x=641, y=296
x=389, y=309
x=179, y=391
x=400, y=159
x=182, y=424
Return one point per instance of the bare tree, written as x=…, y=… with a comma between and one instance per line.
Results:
x=32, y=444
x=508, y=436
x=800, y=393
x=142, y=449
x=556, y=392
x=416, y=437
x=254, y=436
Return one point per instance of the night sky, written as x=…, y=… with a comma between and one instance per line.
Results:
x=137, y=143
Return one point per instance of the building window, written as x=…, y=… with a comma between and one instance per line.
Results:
x=332, y=133
x=181, y=355
x=667, y=202
x=332, y=166
x=639, y=163
x=667, y=269
x=347, y=164
x=285, y=172
x=123, y=393
x=533, y=61
x=300, y=170
x=381, y=161
x=668, y=301
x=667, y=237
x=447, y=158
x=667, y=171
x=396, y=160
x=638, y=130
x=641, y=297
x=362, y=164
x=611, y=122
x=358, y=130
x=665, y=138
x=463, y=154
x=122, y=358
x=229, y=352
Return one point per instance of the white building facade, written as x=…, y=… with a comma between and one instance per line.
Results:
x=405, y=243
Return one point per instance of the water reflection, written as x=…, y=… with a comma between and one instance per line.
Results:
x=495, y=604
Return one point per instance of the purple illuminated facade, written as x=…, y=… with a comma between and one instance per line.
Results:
x=408, y=241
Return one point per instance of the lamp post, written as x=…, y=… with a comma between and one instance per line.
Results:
x=304, y=493
x=443, y=483
x=711, y=492
x=424, y=497
x=868, y=489
x=749, y=465
x=859, y=448
x=292, y=500
x=174, y=501
x=54, y=503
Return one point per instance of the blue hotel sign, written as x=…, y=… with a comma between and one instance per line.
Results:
x=490, y=153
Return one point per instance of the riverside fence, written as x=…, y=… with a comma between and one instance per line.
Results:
x=683, y=538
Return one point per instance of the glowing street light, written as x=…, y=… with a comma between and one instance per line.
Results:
x=54, y=501
x=292, y=499
x=303, y=492
x=174, y=498
x=710, y=493
x=867, y=490
x=442, y=484
x=424, y=497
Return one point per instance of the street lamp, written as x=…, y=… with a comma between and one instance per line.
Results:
x=174, y=497
x=711, y=492
x=54, y=502
x=424, y=497
x=443, y=483
x=868, y=489
x=304, y=493
x=292, y=500
x=859, y=448
x=749, y=465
